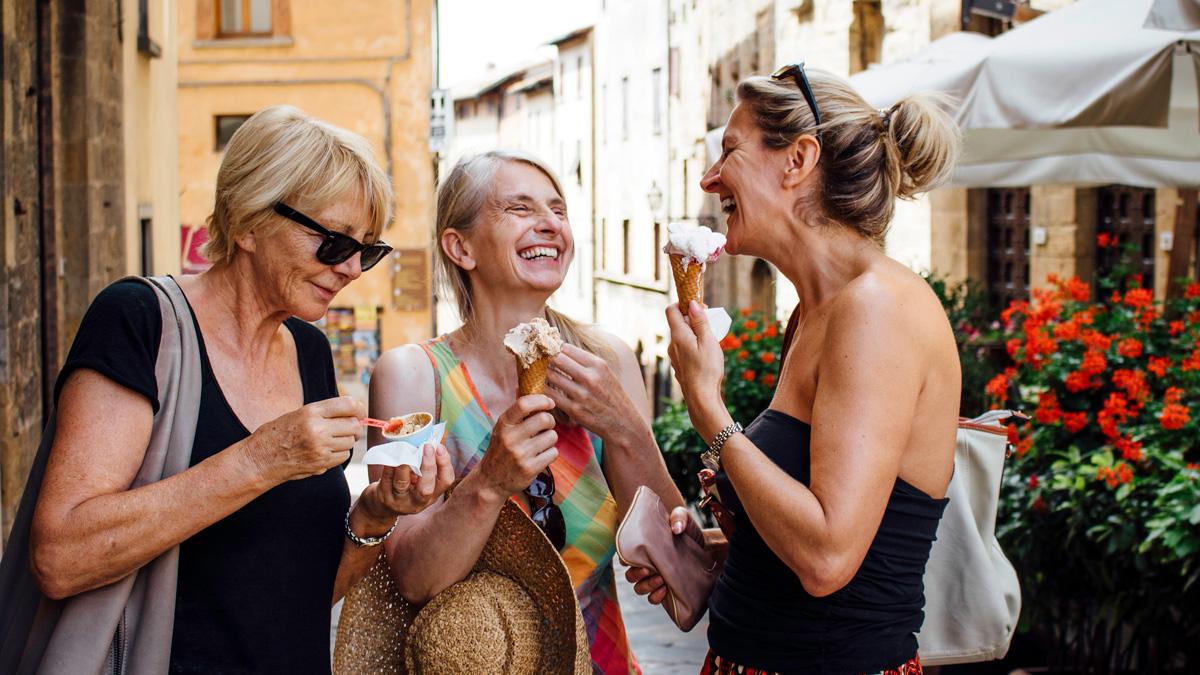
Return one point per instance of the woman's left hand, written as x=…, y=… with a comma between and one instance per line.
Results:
x=585, y=387
x=398, y=492
x=699, y=364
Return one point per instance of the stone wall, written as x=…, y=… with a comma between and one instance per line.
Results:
x=62, y=177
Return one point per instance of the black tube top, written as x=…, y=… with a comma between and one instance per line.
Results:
x=761, y=616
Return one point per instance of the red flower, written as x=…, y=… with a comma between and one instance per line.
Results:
x=1080, y=381
x=1158, y=365
x=1175, y=328
x=1130, y=449
x=1033, y=481
x=1013, y=436
x=1192, y=291
x=771, y=331
x=1124, y=473
x=750, y=326
x=1039, y=505
x=1013, y=345
x=730, y=342
x=1014, y=308
x=1104, y=240
x=1067, y=331
x=757, y=337
x=743, y=355
x=1075, y=289
x=1094, y=339
x=1139, y=297
x=1115, y=298
x=1074, y=422
x=768, y=380
x=1107, y=475
x=1048, y=411
x=1172, y=395
x=1130, y=348
x=768, y=357
x=1133, y=382
x=1192, y=361
x=1024, y=446
x=1094, y=362
x=744, y=312
x=749, y=375
x=1174, y=416
x=997, y=387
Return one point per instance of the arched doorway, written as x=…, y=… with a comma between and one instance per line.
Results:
x=762, y=288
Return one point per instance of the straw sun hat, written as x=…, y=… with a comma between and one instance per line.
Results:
x=515, y=613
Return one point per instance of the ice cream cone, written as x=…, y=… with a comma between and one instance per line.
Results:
x=689, y=281
x=531, y=379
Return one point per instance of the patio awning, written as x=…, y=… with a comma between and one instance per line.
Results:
x=1102, y=91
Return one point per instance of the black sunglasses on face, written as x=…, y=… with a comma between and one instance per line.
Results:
x=336, y=248
x=796, y=72
x=545, y=512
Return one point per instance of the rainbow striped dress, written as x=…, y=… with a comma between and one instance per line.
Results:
x=581, y=491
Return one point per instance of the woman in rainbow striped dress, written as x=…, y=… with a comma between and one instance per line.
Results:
x=504, y=246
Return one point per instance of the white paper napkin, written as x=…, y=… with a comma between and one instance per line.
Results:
x=401, y=453
x=719, y=321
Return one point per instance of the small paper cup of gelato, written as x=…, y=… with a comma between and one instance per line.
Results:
x=414, y=428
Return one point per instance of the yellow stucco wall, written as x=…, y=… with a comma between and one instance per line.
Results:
x=151, y=157
x=361, y=65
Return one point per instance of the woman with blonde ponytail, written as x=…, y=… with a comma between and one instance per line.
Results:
x=504, y=247
x=838, y=487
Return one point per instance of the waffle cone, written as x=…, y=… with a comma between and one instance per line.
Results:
x=531, y=379
x=689, y=281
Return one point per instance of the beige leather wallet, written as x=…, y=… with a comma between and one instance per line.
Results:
x=644, y=539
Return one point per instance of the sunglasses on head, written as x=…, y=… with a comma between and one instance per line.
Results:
x=336, y=248
x=796, y=72
x=545, y=512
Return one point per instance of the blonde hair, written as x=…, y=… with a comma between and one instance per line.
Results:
x=460, y=199
x=281, y=154
x=869, y=157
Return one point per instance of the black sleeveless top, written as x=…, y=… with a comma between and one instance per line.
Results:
x=759, y=614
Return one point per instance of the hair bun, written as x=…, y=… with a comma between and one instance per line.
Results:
x=926, y=139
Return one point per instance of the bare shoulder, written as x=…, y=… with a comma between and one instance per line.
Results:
x=402, y=381
x=887, y=308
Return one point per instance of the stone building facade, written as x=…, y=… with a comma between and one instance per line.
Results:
x=88, y=117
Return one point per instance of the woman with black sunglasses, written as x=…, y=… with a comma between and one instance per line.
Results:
x=505, y=245
x=266, y=534
x=837, y=489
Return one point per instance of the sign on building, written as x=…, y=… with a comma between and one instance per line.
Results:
x=438, y=119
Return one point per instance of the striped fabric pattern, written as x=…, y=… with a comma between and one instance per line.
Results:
x=581, y=491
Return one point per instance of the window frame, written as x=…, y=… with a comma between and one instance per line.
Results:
x=246, y=13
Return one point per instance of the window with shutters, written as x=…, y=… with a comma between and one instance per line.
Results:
x=1007, y=245
x=244, y=17
x=1127, y=214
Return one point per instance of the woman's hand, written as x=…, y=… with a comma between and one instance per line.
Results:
x=395, y=492
x=585, y=387
x=522, y=445
x=646, y=581
x=699, y=366
x=305, y=442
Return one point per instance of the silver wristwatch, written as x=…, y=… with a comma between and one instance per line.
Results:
x=711, y=457
x=363, y=542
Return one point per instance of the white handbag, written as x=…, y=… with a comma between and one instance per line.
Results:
x=972, y=596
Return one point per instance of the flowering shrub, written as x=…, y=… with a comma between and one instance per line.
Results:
x=751, y=371
x=1100, y=508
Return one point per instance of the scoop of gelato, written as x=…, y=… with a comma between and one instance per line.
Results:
x=534, y=340
x=697, y=243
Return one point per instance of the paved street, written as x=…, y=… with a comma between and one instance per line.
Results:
x=660, y=647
